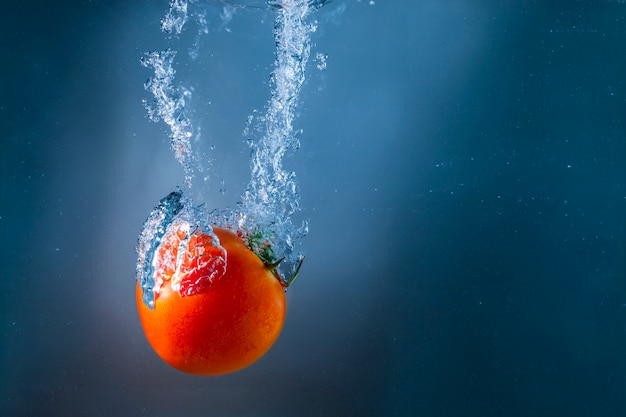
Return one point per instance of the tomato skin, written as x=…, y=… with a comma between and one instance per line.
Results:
x=225, y=327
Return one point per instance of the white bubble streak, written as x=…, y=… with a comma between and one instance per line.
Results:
x=272, y=196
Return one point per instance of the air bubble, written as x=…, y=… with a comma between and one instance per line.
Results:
x=271, y=197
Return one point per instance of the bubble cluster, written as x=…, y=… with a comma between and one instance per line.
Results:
x=169, y=105
x=276, y=4
x=154, y=228
x=175, y=18
x=177, y=244
x=271, y=197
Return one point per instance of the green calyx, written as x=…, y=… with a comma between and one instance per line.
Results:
x=260, y=244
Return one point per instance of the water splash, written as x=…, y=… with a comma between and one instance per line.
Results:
x=169, y=105
x=154, y=228
x=175, y=18
x=170, y=99
x=179, y=245
x=272, y=198
x=266, y=4
x=320, y=58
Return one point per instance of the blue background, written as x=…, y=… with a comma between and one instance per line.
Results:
x=462, y=168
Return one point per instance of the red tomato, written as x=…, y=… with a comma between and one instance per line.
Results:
x=216, y=309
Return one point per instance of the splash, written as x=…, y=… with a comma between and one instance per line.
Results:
x=154, y=228
x=169, y=105
x=271, y=197
x=172, y=246
x=175, y=18
x=259, y=4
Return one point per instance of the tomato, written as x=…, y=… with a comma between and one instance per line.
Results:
x=217, y=307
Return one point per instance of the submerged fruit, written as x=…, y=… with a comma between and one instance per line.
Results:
x=216, y=306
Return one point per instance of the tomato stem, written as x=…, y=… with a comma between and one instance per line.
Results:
x=295, y=275
x=273, y=265
x=273, y=268
x=260, y=245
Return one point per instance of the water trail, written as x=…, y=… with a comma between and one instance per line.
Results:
x=175, y=18
x=169, y=100
x=271, y=198
x=169, y=105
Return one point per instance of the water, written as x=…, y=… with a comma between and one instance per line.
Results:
x=466, y=195
x=271, y=197
x=154, y=229
x=169, y=105
x=277, y=4
x=171, y=227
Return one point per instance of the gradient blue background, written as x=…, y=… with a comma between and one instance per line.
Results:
x=463, y=170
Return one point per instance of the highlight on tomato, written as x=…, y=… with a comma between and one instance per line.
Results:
x=210, y=299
